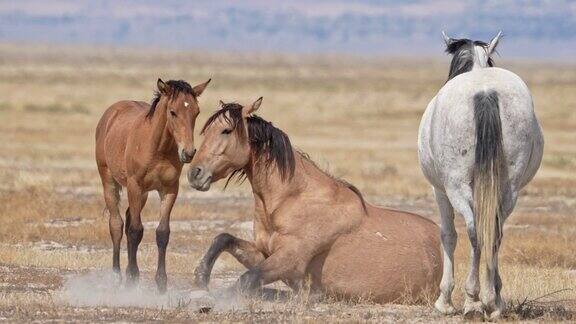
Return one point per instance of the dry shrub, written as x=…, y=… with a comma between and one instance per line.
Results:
x=544, y=307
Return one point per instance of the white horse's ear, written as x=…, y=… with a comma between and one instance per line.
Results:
x=252, y=108
x=447, y=40
x=494, y=43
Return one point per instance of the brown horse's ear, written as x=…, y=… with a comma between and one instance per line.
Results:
x=200, y=88
x=252, y=108
x=162, y=87
x=222, y=104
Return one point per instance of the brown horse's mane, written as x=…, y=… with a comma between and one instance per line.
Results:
x=175, y=87
x=270, y=142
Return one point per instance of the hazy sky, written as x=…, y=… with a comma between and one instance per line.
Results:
x=535, y=29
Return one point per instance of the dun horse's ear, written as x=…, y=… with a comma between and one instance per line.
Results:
x=200, y=88
x=494, y=43
x=447, y=40
x=252, y=108
x=162, y=86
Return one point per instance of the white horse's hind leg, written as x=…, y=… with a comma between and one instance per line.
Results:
x=461, y=199
x=499, y=305
x=449, y=237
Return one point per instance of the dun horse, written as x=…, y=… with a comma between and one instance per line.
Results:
x=479, y=144
x=143, y=147
x=309, y=226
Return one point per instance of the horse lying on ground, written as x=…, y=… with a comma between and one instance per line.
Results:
x=309, y=226
x=143, y=147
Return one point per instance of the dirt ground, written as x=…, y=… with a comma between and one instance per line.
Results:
x=358, y=118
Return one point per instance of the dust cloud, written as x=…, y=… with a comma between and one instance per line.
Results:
x=103, y=288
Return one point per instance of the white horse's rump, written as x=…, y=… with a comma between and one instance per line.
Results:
x=479, y=144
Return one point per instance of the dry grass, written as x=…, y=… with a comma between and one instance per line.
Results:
x=357, y=118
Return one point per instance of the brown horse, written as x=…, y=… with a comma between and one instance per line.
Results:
x=143, y=147
x=309, y=225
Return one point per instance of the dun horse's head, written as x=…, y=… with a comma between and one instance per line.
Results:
x=226, y=145
x=182, y=108
x=468, y=54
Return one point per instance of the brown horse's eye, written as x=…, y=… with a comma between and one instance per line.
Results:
x=172, y=113
x=227, y=131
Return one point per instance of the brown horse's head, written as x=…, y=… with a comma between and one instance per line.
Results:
x=181, y=109
x=226, y=145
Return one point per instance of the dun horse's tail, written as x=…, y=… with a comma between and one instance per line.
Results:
x=488, y=173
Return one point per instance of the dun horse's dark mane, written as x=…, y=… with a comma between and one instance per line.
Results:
x=462, y=51
x=175, y=87
x=339, y=180
x=269, y=142
x=265, y=140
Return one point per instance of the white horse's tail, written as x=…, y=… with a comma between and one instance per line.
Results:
x=488, y=173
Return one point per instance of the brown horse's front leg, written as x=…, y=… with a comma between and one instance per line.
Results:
x=163, y=235
x=245, y=252
x=134, y=230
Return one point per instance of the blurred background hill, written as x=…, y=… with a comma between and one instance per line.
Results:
x=535, y=29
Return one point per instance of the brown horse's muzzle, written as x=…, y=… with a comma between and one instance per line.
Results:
x=186, y=157
x=199, y=178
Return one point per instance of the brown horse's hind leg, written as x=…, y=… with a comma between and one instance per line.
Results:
x=115, y=223
x=245, y=252
x=163, y=236
x=134, y=231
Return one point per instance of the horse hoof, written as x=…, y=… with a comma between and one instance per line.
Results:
x=444, y=308
x=498, y=310
x=161, y=284
x=495, y=315
x=117, y=277
x=474, y=315
x=201, y=281
x=473, y=310
x=132, y=278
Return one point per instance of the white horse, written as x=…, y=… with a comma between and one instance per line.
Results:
x=479, y=143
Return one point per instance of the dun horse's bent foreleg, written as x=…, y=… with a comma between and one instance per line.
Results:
x=245, y=252
x=287, y=264
x=163, y=236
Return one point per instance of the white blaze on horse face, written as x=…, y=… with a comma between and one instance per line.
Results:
x=186, y=104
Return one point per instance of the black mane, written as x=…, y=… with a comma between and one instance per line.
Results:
x=175, y=87
x=462, y=51
x=267, y=141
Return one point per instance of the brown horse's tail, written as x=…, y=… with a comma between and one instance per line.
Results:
x=488, y=173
